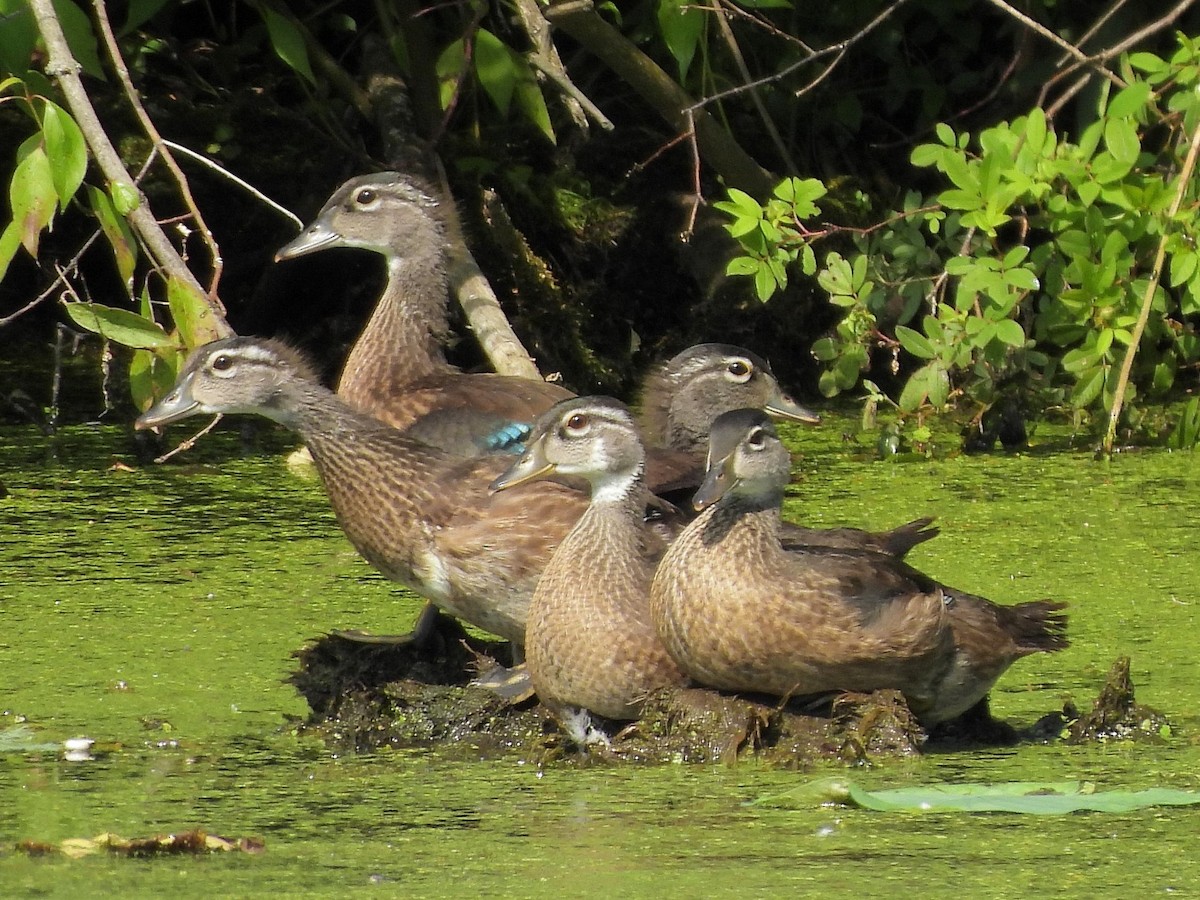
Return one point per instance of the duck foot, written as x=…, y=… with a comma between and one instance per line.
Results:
x=511, y=683
x=429, y=622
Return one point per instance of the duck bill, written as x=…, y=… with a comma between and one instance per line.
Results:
x=781, y=406
x=717, y=482
x=316, y=236
x=532, y=466
x=177, y=405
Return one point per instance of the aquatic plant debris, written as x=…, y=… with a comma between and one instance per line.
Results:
x=188, y=842
x=1039, y=798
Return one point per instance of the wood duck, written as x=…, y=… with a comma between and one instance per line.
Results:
x=740, y=612
x=396, y=370
x=682, y=397
x=419, y=515
x=589, y=641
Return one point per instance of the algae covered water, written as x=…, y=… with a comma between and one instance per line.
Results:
x=155, y=610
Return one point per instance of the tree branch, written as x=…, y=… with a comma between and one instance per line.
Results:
x=579, y=19
x=62, y=67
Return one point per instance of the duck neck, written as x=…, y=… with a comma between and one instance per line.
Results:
x=402, y=340
x=613, y=520
x=751, y=522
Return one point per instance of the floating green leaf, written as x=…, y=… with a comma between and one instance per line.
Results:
x=1029, y=797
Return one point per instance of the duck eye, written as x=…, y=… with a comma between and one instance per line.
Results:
x=222, y=363
x=739, y=370
x=365, y=197
x=757, y=438
x=578, y=424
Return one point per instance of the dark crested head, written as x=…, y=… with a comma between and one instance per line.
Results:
x=233, y=375
x=695, y=386
x=594, y=438
x=746, y=459
x=385, y=212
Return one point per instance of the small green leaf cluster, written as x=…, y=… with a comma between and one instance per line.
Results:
x=49, y=177
x=1028, y=267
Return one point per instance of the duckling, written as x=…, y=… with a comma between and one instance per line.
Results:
x=589, y=640
x=738, y=611
x=421, y=516
x=397, y=371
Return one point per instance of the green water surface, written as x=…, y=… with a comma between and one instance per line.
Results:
x=155, y=610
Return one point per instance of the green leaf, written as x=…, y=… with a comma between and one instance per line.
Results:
x=915, y=342
x=33, y=197
x=682, y=25
x=18, y=36
x=1129, y=101
x=451, y=66
x=917, y=388
x=1032, y=798
x=287, y=40
x=66, y=150
x=192, y=314
x=742, y=265
x=140, y=12
x=1010, y=332
x=77, y=28
x=1121, y=139
x=530, y=101
x=117, y=231
x=495, y=68
x=825, y=349
x=945, y=134
x=957, y=199
x=119, y=325
x=765, y=283
x=152, y=375
x=10, y=242
x=1088, y=388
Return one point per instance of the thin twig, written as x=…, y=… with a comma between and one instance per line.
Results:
x=559, y=79
x=744, y=71
x=1183, y=179
x=190, y=442
x=131, y=95
x=229, y=176
x=837, y=50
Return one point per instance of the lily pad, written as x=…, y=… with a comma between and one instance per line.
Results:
x=23, y=739
x=1031, y=797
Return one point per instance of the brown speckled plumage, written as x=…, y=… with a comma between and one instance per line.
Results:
x=396, y=370
x=682, y=397
x=739, y=611
x=590, y=641
x=421, y=517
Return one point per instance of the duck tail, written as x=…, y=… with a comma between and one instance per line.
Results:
x=900, y=540
x=1038, y=626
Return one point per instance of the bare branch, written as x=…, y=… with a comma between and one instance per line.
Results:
x=229, y=176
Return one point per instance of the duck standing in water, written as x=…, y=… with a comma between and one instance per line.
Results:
x=419, y=515
x=739, y=611
x=590, y=643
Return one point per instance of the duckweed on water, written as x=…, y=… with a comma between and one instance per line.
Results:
x=156, y=612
